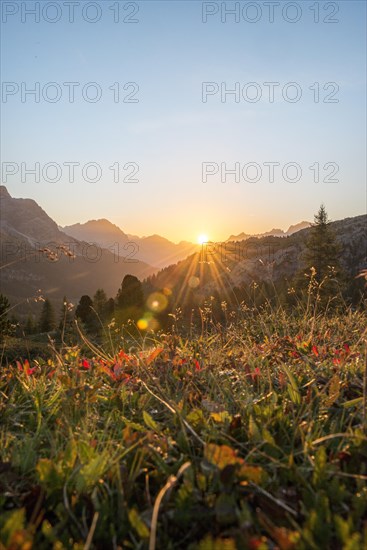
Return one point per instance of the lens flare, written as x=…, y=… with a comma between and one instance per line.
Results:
x=142, y=324
x=148, y=322
x=157, y=302
x=193, y=282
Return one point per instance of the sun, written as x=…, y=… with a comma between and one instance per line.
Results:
x=202, y=239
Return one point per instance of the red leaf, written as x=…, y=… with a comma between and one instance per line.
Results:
x=153, y=355
x=85, y=364
x=25, y=367
x=315, y=351
x=108, y=372
x=123, y=355
x=256, y=374
x=117, y=368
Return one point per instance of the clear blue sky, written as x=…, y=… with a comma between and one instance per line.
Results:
x=169, y=53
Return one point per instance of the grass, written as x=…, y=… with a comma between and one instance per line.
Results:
x=248, y=437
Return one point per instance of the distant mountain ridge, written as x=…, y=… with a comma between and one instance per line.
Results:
x=95, y=230
x=274, y=232
x=154, y=249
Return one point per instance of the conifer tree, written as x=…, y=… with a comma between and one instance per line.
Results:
x=322, y=248
x=85, y=312
x=47, y=317
x=130, y=299
x=130, y=294
x=110, y=308
x=29, y=327
x=321, y=260
x=100, y=303
x=5, y=324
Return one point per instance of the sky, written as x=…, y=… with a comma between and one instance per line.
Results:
x=157, y=112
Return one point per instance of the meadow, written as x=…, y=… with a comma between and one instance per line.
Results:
x=248, y=435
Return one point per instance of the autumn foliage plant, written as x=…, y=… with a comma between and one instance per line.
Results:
x=252, y=437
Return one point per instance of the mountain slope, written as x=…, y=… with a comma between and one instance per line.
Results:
x=220, y=268
x=26, y=219
x=35, y=255
x=102, y=232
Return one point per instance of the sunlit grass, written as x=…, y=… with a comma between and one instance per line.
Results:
x=253, y=436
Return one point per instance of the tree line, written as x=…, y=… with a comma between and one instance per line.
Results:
x=91, y=313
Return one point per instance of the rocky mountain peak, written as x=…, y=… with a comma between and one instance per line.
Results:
x=4, y=193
